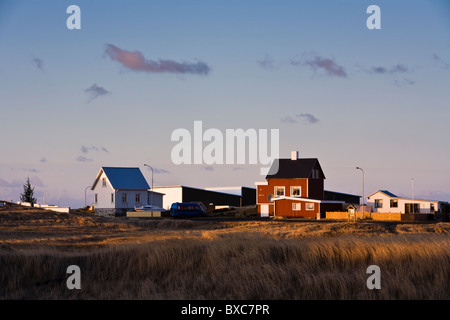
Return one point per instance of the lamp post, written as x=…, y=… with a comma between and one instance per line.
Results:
x=151, y=194
x=85, y=204
x=363, y=205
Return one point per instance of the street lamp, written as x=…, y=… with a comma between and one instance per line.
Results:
x=85, y=204
x=151, y=194
x=363, y=205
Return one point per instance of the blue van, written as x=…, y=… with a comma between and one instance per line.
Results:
x=183, y=209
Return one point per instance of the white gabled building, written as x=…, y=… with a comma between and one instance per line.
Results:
x=385, y=201
x=121, y=189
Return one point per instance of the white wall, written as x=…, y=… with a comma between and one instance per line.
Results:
x=104, y=194
x=171, y=195
x=156, y=200
x=130, y=199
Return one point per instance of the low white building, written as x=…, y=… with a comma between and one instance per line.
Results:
x=121, y=189
x=385, y=201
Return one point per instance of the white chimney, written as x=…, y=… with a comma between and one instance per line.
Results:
x=294, y=155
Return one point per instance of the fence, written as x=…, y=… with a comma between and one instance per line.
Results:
x=385, y=216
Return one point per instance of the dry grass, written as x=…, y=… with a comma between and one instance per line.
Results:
x=184, y=259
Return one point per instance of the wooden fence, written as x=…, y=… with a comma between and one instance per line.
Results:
x=385, y=216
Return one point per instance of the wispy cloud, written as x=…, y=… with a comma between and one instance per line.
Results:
x=267, y=63
x=208, y=168
x=83, y=159
x=288, y=120
x=12, y=185
x=18, y=184
x=43, y=160
x=398, y=68
x=158, y=170
x=308, y=117
x=136, y=61
x=37, y=62
x=316, y=62
x=96, y=91
x=440, y=62
x=85, y=149
x=404, y=82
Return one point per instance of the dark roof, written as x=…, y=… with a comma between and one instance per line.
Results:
x=288, y=169
x=345, y=194
x=124, y=178
x=388, y=193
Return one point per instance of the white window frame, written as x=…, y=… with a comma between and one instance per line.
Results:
x=138, y=197
x=292, y=191
x=96, y=198
x=112, y=197
x=294, y=206
x=103, y=182
x=276, y=193
x=124, y=198
x=307, y=206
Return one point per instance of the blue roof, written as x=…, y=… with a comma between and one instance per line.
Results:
x=390, y=194
x=126, y=178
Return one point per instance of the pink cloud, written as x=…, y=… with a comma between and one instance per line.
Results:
x=137, y=62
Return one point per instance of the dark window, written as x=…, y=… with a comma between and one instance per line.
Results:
x=394, y=203
x=378, y=203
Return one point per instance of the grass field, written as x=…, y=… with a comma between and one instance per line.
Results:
x=218, y=259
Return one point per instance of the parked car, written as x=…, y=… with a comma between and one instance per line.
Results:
x=184, y=209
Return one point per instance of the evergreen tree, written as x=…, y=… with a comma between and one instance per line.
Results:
x=28, y=193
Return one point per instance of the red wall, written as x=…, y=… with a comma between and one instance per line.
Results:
x=263, y=191
x=284, y=208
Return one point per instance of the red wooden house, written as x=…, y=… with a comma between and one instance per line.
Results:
x=296, y=189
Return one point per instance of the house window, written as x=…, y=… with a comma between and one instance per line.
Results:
x=112, y=197
x=279, y=191
x=124, y=197
x=378, y=203
x=96, y=198
x=296, y=191
x=104, y=182
x=394, y=203
x=432, y=207
x=138, y=197
x=315, y=174
x=296, y=206
x=310, y=206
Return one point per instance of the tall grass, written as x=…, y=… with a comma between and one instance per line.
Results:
x=236, y=266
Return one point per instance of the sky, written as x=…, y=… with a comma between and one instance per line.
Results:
x=112, y=92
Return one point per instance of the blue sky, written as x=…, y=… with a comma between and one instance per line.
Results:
x=350, y=96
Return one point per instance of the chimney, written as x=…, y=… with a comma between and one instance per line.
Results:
x=294, y=155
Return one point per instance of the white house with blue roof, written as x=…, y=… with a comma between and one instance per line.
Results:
x=385, y=201
x=121, y=189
